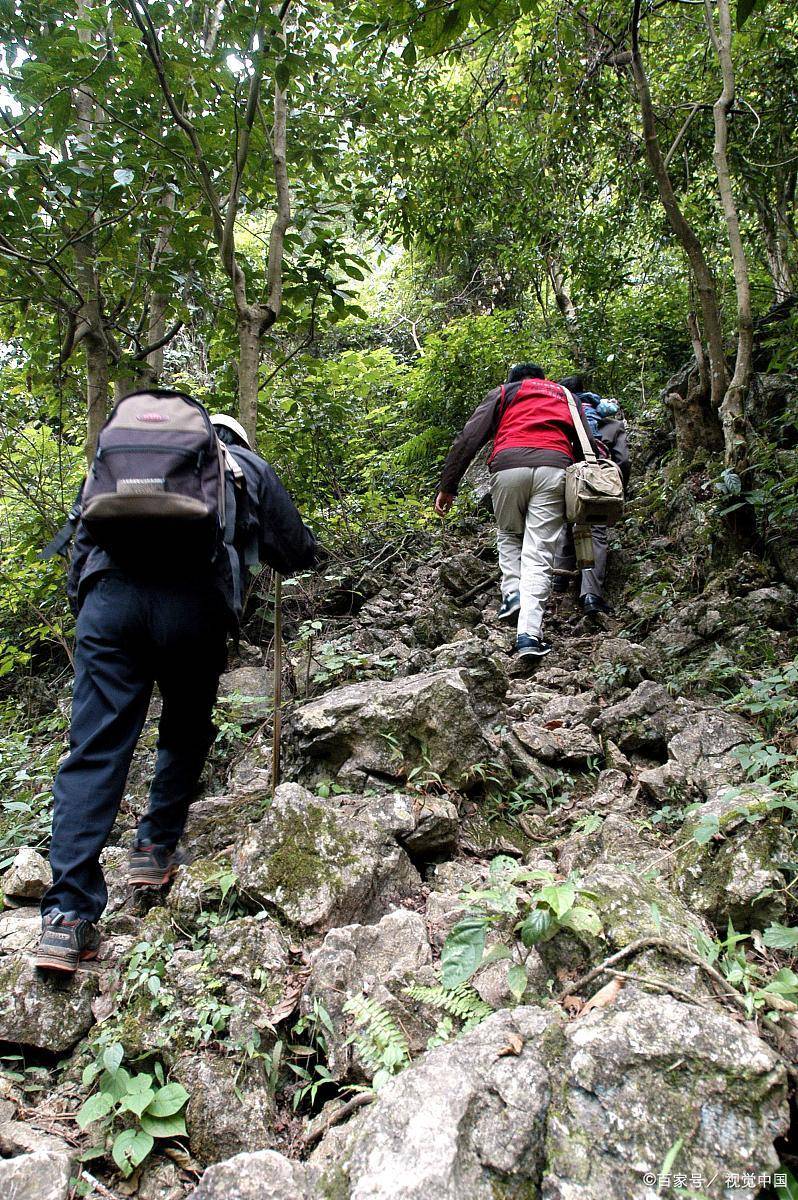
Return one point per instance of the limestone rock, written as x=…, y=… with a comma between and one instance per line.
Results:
x=645, y=1073
x=42, y=1175
x=197, y=888
x=213, y=821
x=317, y=864
x=559, y=745
x=466, y=1120
x=437, y=826
x=724, y=878
x=485, y=673
x=262, y=1175
x=617, y=840
x=250, y=944
x=229, y=1110
x=43, y=1012
x=28, y=877
x=641, y=722
x=461, y=572
x=620, y=664
x=382, y=730
x=369, y=960
x=20, y=929
x=247, y=694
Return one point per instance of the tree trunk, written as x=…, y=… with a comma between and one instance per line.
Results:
x=97, y=382
x=732, y=409
x=249, y=340
x=705, y=281
x=567, y=307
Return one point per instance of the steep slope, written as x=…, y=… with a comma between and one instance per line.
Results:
x=604, y=805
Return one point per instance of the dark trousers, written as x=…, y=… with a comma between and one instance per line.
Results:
x=592, y=582
x=131, y=635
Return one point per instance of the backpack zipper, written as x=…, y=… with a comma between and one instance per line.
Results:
x=199, y=455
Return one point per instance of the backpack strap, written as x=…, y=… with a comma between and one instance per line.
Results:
x=581, y=433
x=250, y=549
x=59, y=543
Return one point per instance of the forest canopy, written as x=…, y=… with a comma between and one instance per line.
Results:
x=341, y=223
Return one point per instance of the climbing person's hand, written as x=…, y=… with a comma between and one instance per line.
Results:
x=443, y=502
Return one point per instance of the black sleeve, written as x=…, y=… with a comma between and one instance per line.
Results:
x=284, y=541
x=478, y=430
x=81, y=549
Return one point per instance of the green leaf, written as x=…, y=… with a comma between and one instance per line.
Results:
x=517, y=981
x=168, y=1100
x=409, y=55
x=112, y=1057
x=124, y=176
x=790, y=1192
x=130, y=1148
x=164, y=1127
x=116, y=1084
x=559, y=897
x=137, y=1102
x=706, y=829
x=96, y=1107
x=463, y=950
x=671, y=1156
x=538, y=925
x=745, y=8
x=780, y=937
x=582, y=920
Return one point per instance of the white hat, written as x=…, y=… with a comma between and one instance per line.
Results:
x=231, y=423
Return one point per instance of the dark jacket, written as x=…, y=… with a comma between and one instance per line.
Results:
x=613, y=434
x=267, y=521
x=480, y=429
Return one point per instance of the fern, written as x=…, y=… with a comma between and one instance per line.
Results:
x=462, y=1002
x=377, y=1038
x=420, y=448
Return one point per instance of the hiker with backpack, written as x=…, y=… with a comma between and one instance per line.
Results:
x=609, y=429
x=531, y=421
x=168, y=519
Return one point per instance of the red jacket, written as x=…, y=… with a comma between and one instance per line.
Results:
x=536, y=417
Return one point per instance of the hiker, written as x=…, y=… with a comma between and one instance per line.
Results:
x=534, y=440
x=162, y=619
x=609, y=429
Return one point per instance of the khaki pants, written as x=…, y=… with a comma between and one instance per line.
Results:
x=529, y=503
x=592, y=582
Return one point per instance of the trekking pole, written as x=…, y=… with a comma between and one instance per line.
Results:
x=278, y=679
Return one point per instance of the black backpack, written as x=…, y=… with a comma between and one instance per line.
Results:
x=156, y=497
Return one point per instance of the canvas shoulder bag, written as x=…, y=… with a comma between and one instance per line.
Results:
x=593, y=487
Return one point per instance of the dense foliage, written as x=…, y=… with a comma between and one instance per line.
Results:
x=342, y=225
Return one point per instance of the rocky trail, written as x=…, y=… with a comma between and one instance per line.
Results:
x=590, y=1044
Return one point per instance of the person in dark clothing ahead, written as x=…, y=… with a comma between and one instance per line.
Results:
x=137, y=627
x=609, y=428
x=534, y=440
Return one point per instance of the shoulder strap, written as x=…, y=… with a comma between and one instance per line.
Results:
x=581, y=433
x=65, y=534
x=234, y=467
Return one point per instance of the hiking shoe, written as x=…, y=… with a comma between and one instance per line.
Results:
x=509, y=606
x=592, y=605
x=561, y=584
x=531, y=647
x=66, y=940
x=152, y=866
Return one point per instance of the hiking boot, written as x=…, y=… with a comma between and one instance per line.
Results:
x=592, y=605
x=531, y=647
x=509, y=606
x=66, y=940
x=152, y=866
x=561, y=584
